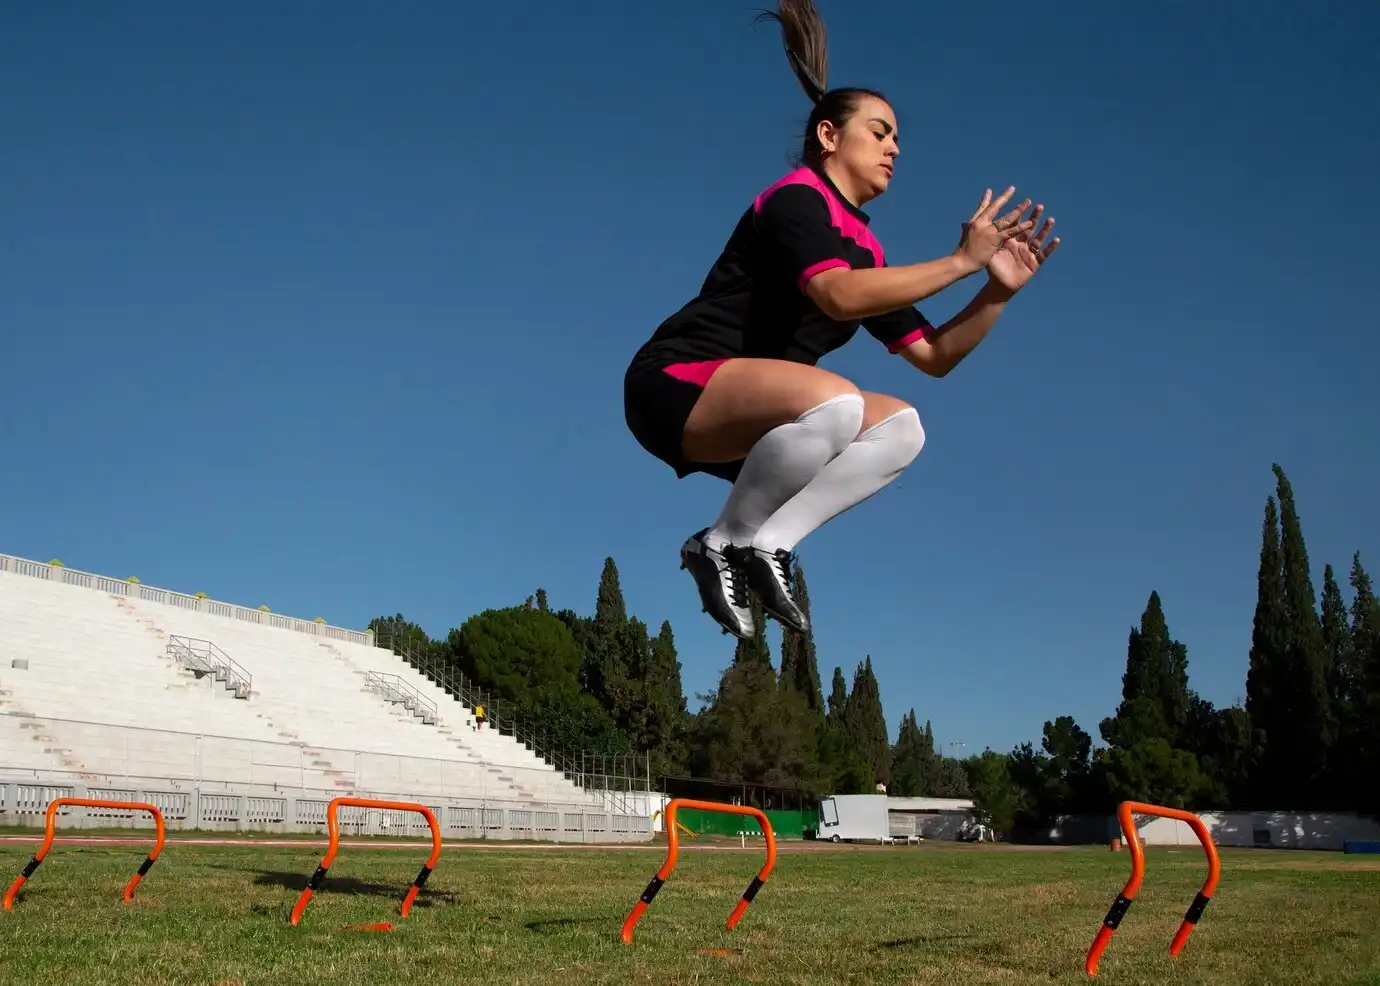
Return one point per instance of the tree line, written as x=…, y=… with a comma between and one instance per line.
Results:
x=605, y=684
x=1307, y=737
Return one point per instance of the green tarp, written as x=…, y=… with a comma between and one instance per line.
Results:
x=786, y=824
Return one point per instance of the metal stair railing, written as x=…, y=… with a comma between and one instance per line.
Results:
x=205, y=657
x=597, y=774
x=399, y=692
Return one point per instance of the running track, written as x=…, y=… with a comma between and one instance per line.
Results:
x=791, y=846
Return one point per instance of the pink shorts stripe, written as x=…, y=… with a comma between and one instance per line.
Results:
x=696, y=373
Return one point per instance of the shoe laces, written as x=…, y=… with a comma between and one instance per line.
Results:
x=781, y=566
x=735, y=575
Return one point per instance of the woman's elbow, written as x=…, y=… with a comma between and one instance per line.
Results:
x=927, y=358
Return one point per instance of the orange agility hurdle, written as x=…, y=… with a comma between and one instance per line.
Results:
x=333, y=827
x=673, y=852
x=1125, y=811
x=50, y=823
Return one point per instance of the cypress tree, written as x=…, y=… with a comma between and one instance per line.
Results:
x=1336, y=634
x=754, y=650
x=1363, y=743
x=908, y=759
x=1155, y=697
x=610, y=611
x=838, y=696
x=929, y=761
x=1365, y=619
x=666, y=714
x=865, y=723
x=799, y=663
x=1313, y=724
x=606, y=662
x=1267, y=694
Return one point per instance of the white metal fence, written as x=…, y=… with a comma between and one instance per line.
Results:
x=24, y=803
x=134, y=755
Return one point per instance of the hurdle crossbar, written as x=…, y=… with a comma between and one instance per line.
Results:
x=1126, y=813
x=50, y=832
x=673, y=854
x=333, y=828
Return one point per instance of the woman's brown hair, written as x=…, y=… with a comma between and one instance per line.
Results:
x=807, y=49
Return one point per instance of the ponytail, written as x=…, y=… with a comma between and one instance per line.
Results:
x=807, y=49
x=806, y=43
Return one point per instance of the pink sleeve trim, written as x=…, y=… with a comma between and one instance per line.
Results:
x=820, y=268
x=923, y=332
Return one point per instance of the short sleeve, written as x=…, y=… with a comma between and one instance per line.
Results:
x=898, y=329
x=795, y=227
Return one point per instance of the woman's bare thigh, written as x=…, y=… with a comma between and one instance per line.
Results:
x=746, y=398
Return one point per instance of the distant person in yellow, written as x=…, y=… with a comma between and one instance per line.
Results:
x=479, y=717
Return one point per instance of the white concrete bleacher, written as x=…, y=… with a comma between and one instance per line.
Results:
x=89, y=688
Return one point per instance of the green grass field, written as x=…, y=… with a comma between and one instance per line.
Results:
x=947, y=914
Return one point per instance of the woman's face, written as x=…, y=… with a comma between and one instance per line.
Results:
x=862, y=153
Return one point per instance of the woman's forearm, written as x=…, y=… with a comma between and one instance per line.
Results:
x=960, y=335
x=848, y=295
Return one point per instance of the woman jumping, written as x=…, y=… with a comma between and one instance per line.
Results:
x=728, y=385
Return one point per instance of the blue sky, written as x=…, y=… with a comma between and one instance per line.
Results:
x=326, y=306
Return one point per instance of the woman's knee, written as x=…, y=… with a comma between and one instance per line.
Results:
x=879, y=407
x=894, y=422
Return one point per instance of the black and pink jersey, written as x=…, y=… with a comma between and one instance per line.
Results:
x=753, y=302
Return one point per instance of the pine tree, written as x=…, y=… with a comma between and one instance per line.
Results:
x=542, y=603
x=1313, y=726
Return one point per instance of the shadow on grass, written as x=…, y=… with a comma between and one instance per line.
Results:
x=297, y=882
x=897, y=943
x=556, y=924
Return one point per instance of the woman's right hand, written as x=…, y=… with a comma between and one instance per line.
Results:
x=983, y=234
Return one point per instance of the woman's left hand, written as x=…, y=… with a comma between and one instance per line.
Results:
x=1022, y=256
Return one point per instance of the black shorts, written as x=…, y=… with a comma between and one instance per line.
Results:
x=657, y=401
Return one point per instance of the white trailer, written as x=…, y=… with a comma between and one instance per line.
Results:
x=854, y=817
x=878, y=818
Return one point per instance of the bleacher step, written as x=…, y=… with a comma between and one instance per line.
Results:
x=298, y=683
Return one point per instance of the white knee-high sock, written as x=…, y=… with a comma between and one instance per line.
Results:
x=780, y=465
x=877, y=457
